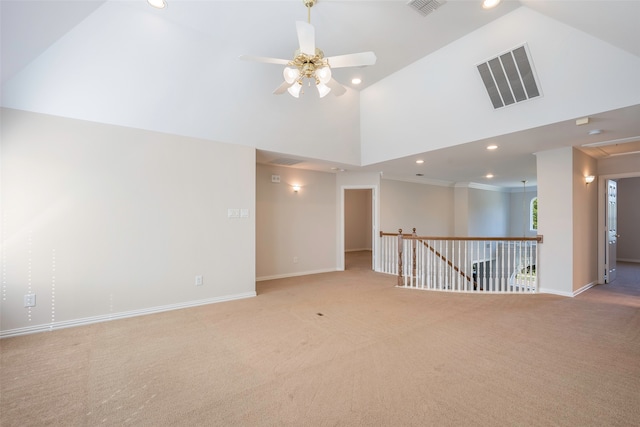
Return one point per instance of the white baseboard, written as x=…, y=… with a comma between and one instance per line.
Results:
x=628, y=260
x=567, y=294
x=302, y=273
x=584, y=288
x=123, y=315
x=555, y=292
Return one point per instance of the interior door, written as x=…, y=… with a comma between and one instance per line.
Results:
x=612, y=230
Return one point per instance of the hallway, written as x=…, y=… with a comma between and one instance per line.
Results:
x=358, y=260
x=624, y=290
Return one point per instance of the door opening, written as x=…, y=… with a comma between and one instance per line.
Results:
x=611, y=230
x=358, y=229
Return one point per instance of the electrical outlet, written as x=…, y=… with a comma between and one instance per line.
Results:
x=30, y=300
x=295, y=259
x=198, y=280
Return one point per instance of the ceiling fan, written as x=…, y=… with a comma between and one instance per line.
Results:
x=310, y=63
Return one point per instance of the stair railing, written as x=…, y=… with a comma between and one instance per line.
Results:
x=462, y=264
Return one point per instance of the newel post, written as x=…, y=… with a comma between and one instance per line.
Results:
x=400, y=257
x=413, y=246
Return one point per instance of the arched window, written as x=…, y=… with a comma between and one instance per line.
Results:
x=533, y=214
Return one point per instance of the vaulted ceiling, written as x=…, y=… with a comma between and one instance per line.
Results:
x=177, y=71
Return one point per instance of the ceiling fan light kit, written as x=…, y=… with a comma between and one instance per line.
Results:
x=310, y=63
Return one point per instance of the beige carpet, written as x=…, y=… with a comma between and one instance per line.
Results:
x=341, y=349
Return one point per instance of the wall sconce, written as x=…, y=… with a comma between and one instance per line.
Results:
x=589, y=179
x=158, y=4
x=296, y=188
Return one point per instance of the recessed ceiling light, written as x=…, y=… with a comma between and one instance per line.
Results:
x=489, y=175
x=489, y=4
x=158, y=4
x=492, y=147
x=356, y=81
x=419, y=162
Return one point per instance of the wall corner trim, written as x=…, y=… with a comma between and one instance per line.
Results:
x=302, y=273
x=568, y=294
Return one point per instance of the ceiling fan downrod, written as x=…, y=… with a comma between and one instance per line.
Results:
x=309, y=4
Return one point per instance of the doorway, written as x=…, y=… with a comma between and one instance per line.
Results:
x=358, y=237
x=619, y=235
x=610, y=257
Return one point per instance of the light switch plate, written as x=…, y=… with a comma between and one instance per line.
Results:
x=30, y=300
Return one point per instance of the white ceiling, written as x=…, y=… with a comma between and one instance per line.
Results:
x=200, y=39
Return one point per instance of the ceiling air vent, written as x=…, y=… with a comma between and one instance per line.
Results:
x=285, y=162
x=509, y=78
x=425, y=7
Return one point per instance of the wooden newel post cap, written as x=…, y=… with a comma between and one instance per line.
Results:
x=399, y=230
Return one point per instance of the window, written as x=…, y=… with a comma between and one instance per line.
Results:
x=533, y=214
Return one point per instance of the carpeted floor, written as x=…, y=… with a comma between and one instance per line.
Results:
x=341, y=349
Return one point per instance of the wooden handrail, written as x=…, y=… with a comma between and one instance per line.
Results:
x=539, y=238
x=382, y=233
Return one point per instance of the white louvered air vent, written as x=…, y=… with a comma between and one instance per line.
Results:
x=509, y=77
x=285, y=162
x=425, y=7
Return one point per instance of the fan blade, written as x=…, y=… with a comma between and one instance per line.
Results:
x=264, y=59
x=282, y=88
x=336, y=88
x=306, y=37
x=352, y=60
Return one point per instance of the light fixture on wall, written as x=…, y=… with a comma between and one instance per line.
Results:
x=296, y=188
x=589, y=179
x=158, y=4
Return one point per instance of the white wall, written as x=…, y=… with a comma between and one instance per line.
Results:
x=629, y=219
x=555, y=220
x=446, y=85
x=519, y=220
x=211, y=105
x=461, y=210
x=358, y=220
x=102, y=221
x=488, y=213
x=568, y=220
x=406, y=205
x=628, y=165
x=585, y=222
x=289, y=225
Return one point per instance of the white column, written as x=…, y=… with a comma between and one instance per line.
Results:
x=567, y=218
x=555, y=219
